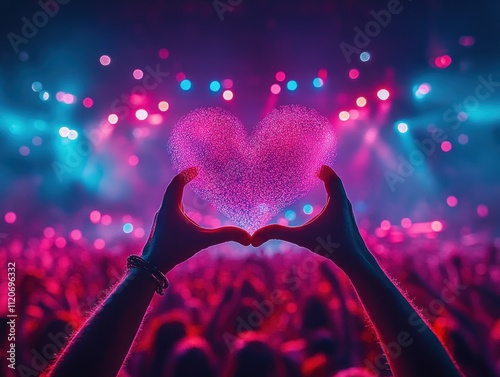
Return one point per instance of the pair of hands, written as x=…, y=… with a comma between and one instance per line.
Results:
x=333, y=233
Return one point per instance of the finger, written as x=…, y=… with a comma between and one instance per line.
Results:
x=175, y=189
x=276, y=232
x=225, y=234
x=333, y=183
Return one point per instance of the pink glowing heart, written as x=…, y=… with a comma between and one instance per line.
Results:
x=251, y=178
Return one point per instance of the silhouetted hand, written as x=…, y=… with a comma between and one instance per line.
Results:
x=174, y=237
x=333, y=233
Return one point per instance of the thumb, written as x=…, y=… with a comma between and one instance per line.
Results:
x=225, y=234
x=276, y=232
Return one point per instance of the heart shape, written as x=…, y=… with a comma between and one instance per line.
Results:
x=250, y=179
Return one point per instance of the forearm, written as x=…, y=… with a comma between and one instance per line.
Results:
x=410, y=346
x=101, y=345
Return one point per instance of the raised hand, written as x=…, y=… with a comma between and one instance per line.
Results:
x=333, y=233
x=174, y=237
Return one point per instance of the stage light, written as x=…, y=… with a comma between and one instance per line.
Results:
x=361, y=101
x=10, y=217
x=88, y=102
x=227, y=95
x=280, y=76
x=275, y=88
x=308, y=209
x=215, y=86
x=72, y=135
x=36, y=86
x=138, y=74
x=443, y=61
x=133, y=160
x=141, y=114
x=402, y=127
x=406, y=223
x=290, y=215
x=364, y=56
x=318, y=82
x=163, y=53
x=95, y=216
x=44, y=96
x=105, y=60
x=227, y=83
x=24, y=151
x=36, y=141
x=452, y=201
x=128, y=228
x=344, y=115
x=75, y=234
x=113, y=118
x=383, y=94
x=292, y=85
x=463, y=139
x=437, y=226
x=385, y=225
x=446, y=146
x=482, y=210
x=163, y=106
x=106, y=220
x=99, y=244
x=64, y=131
x=353, y=74
x=185, y=84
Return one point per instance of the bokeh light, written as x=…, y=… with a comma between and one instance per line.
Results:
x=99, y=244
x=227, y=95
x=385, y=225
x=280, y=76
x=344, y=115
x=88, y=102
x=163, y=106
x=364, y=56
x=36, y=86
x=105, y=60
x=402, y=127
x=72, y=135
x=290, y=215
x=353, y=74
x=75, y=234
x=95, y=216
x=452, y=201
x=437, y=226
x=163, y=53
x=442, y=61
x=308, y=209
x=141, y=114
x=446, y=146
x=275, y=89
x=482, y=210
x=318, y=82
x=292, y=85
x=10, y=217
x=383, y=94
x=227, y=83
x=133, y=160
x=361, y=101
x=215, y=86
x=113, y=118
x=185, y=84
x=138, y=74
x=128, y=228
x=64, y=131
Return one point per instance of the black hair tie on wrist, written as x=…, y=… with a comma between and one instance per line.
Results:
x=135, y=261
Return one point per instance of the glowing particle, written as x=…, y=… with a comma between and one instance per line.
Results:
x=133, y=160
x=163, y=105
x=75, y=234
x=344, y=115
x=163, y=53
x=215, y=86
x=128, y=228
x=24, y=151
x=446, y=146
x=280, y=76
x=141, y=114
x=99, y=244
x=275, y=88
x=88, y=102
x=290, y=215
x=353, y=74
x=113, y=118
x=138, y=74
x=318, y=82
x=10, y=217
x=106, y=220
x=383, y=94
x=36, y=86
x=361, y=101
x=308, y=209
x=185, y=84
x=105, y=60
x=385, y=225
x=364, y=56
x=437, y=226
x=95, y=216
x=482, y=210
x=402, y=127
x=227, y=95
x=291, y=85
x=452, y=201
